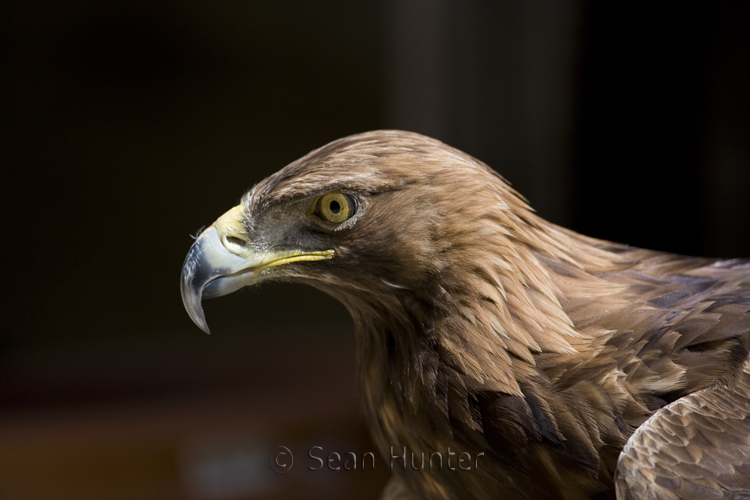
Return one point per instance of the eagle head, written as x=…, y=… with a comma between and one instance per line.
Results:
x=373, y=220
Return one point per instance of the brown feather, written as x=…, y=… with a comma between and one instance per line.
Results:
x=483, y=328
x=694, y=448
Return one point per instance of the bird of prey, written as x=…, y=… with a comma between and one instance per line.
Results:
x=562, y=366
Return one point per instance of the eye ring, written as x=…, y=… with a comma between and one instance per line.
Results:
x=335, y=207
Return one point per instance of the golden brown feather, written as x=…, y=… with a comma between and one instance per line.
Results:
x=483, y=328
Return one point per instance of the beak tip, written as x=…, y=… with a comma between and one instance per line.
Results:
x=204, y=326
x=193, y=307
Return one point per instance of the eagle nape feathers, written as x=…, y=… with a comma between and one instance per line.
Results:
x=578, y=368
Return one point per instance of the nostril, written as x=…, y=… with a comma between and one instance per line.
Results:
x=233, y=240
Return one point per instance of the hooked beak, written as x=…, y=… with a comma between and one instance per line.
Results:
x=222, y=260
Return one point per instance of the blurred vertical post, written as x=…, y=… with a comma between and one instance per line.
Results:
x=418, y=66
x=727, y=132
x=496, y=79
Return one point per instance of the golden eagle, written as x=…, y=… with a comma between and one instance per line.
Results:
x=569, y=367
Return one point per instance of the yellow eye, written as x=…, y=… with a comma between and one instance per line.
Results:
x=335, y=207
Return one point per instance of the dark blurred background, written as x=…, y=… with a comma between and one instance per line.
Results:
x=128, y=125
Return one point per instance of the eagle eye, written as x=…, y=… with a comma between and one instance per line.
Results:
x=335, y=207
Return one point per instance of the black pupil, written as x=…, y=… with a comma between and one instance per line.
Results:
x=335, y=207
